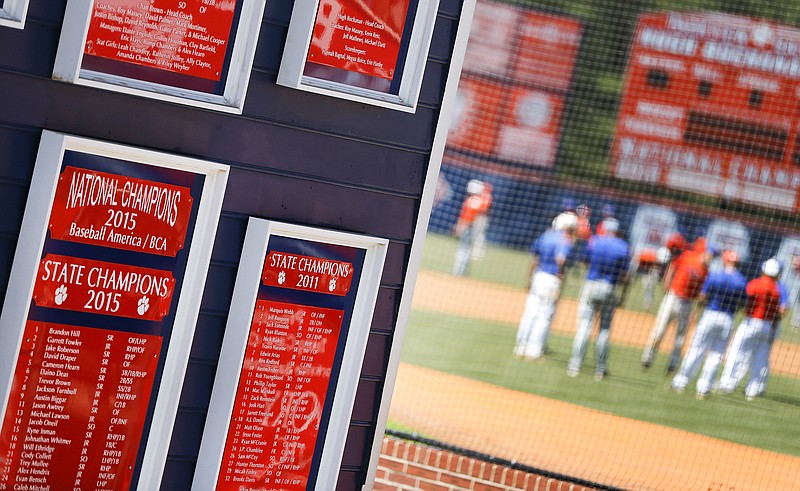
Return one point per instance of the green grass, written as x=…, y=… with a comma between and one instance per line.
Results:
x=501, y=265
x=481, y=350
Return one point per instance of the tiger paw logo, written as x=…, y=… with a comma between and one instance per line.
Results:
x=143, y=306
x=332, y=284
x=281, y=277
x=61, y=294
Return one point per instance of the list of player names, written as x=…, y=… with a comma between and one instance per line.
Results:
x=281, y=393
x=359, y=37
x=77, y=408
x=182, y=37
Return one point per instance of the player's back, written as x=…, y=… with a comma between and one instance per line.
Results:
x=608, y=258
x=552, y=247
x=690, y=274
x=764, y=298
x=725, y=290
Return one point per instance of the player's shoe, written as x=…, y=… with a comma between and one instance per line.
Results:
x=572, y=372
x=701, y=396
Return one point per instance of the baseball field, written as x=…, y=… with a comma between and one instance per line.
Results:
x=460, y=384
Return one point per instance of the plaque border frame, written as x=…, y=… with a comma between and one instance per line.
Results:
x=69, y=57
x=237, y=331
x=28, y=253
x=13, y=13
x=298, y=40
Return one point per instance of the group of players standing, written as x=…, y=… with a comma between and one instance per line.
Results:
x=688, y=282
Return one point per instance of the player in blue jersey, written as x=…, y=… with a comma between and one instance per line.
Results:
x=724, y=292
x=550, y=252
x=608, y=257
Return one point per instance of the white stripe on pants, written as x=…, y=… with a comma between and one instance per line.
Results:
x=534, y=327
x=710, y=339
x=751, y=343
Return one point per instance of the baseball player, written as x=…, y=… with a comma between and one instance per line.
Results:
x=582, y=213
x=470, y=222
x=584, y=228
x=482, y=223
x=550, y=252
x=654, y=264
x=684, y=278
x=608, y=212
x=766, y=301
x=608, y=257
x=724, y=291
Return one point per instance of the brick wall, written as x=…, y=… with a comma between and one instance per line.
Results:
x=407, y=466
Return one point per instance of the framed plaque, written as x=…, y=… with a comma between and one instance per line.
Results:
x=12, y=13
x=291, y=358
x=370, y=51
x=100, y=313
x=194, y=52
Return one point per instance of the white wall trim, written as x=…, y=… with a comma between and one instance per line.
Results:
x=418, y=243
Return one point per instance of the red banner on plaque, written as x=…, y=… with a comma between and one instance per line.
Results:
x=99, y=287
x=359, y=36
x=190, y=38
x=314, y=274
x=121, y=212
x=281, y=393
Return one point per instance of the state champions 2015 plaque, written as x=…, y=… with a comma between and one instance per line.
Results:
x=81, y=355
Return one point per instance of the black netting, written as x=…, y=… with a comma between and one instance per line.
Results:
x=610, y=282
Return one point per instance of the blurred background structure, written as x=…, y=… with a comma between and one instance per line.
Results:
x=679, y=119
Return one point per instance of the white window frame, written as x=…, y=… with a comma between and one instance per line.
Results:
x=13, y=12
x=237, y=333
x=28, y=254
x=298, y=40
x=69, y=59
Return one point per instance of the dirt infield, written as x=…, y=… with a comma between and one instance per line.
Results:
x=567, y=438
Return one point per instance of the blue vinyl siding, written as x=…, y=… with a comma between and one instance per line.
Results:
x=295, y=156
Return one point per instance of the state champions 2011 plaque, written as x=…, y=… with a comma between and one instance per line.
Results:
x=290, y=359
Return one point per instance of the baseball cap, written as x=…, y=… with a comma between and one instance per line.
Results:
x=474, y=186
x=700, y=244
x=663, y=255
x=565, y=221
x=730, y=256
x=611, y=225
x=676, y=241
x=771, y=267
